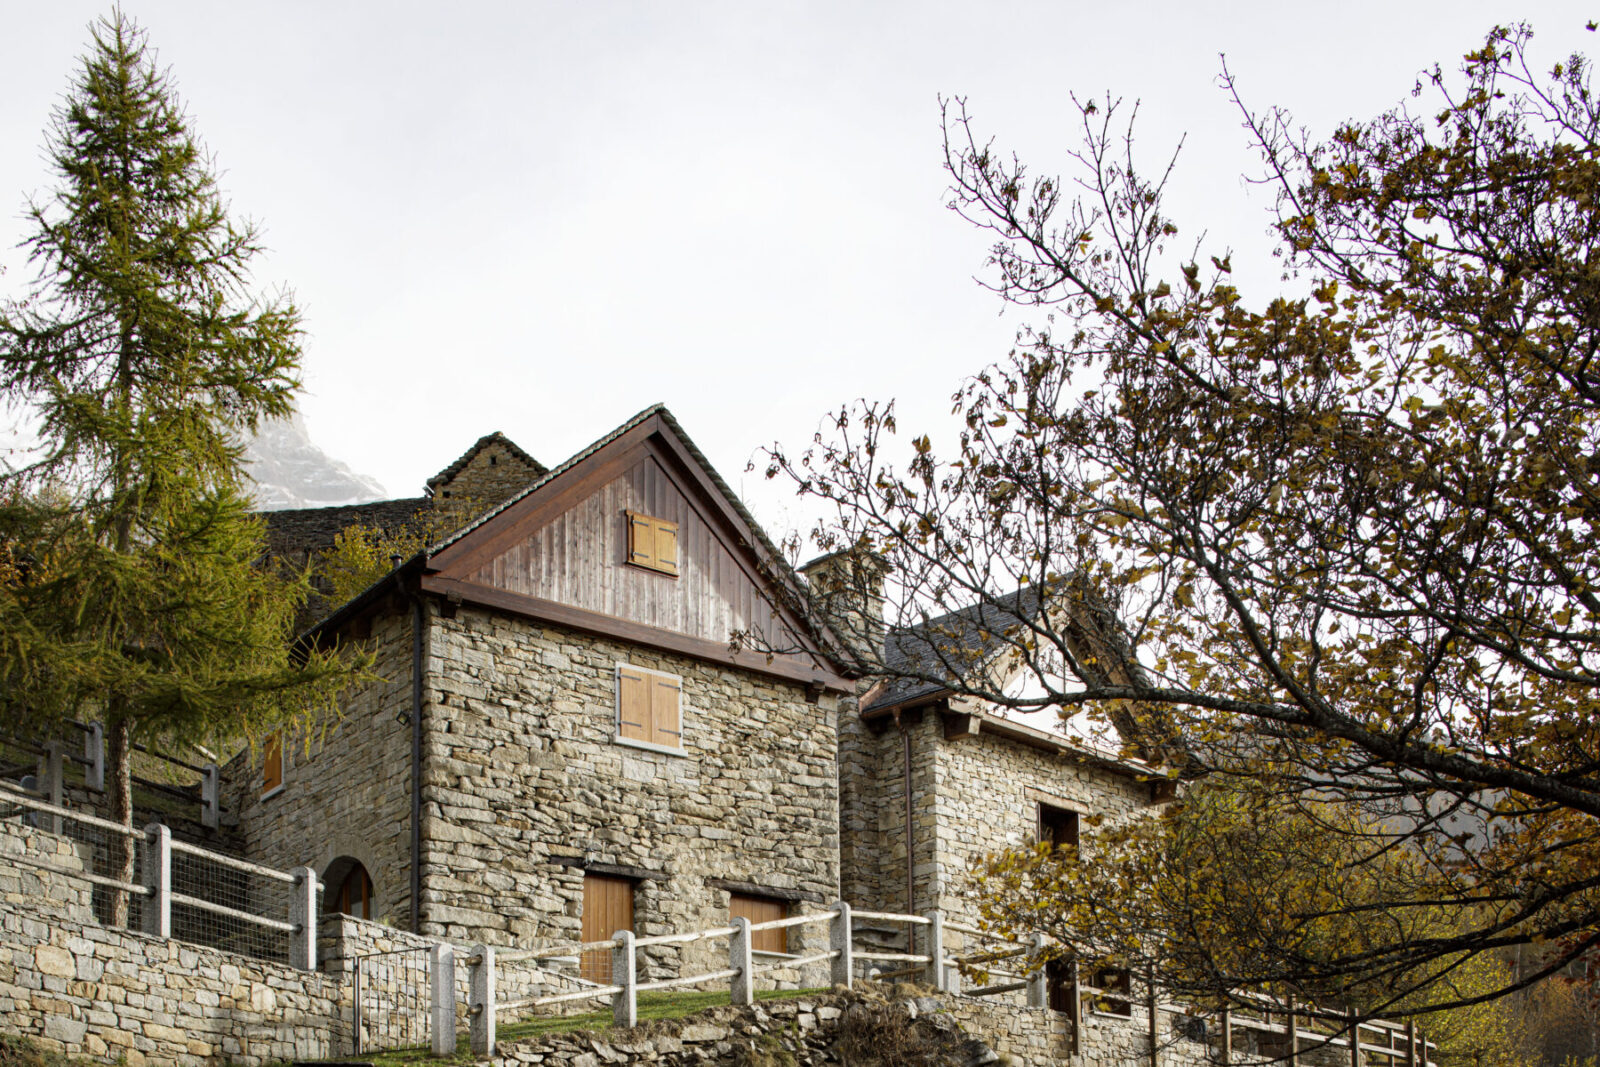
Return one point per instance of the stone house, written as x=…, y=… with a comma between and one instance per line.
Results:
x=562, y=743
x=559, y=742
x=932, y=781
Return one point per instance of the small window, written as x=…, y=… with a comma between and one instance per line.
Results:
x=652, y=543
x=272, y=763
x=353, y=893
x=1115, y=996
x=648, y=707
x=1058, y=827
x=761, y=910
x=1060, y=984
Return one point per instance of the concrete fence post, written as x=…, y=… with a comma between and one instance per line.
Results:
x=624, y=973
x=936, y=951
x=303, y=917
x=742, y=990
x=1153, y=1008
x=157, y=871
x=480, y=1002
x=442, y=999
x=1294, y=1033
x=94, y=757
x=51, y=785
x=1038, y=981
x=211, y=796
x=1075, y=1007
x=840, y=940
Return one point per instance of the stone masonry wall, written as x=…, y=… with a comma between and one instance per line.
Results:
x=494, y=474
x=870, y=772
x=526, y=782
x=85, y=989
x=930, y=1031
x=350, y=794
x=46, y=893
x=986, y=795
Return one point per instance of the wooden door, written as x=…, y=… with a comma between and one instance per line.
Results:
x=761, y=910
x=607, y=908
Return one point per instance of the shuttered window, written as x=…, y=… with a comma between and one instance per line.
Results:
x=652, y=543
x=649, y=707
x=272, y=763
x=761, y=910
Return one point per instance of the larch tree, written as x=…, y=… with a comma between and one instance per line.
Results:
x=1340, y=546
x=132, y=592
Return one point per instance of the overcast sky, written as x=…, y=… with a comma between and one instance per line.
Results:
x=540, y=218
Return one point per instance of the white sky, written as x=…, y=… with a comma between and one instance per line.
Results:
x=541, y=217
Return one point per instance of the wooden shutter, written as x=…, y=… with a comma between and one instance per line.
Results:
x=760, y=910
x=272, y=763
x=652, y=543
x=666, y=546
x=666, y=722
x=634, y=720
x=607, y=908
x=641, y=540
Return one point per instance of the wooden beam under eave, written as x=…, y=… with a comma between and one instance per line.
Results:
x=550, y=611
x=958, y=724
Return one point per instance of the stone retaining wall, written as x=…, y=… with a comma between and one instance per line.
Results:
x=89, y=990
x=915, y=1030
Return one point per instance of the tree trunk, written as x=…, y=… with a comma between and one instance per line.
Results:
x=120, y=792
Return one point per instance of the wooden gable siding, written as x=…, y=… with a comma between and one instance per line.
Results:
x=579, y=558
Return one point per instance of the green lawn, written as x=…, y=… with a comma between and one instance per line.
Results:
x=663, y=1004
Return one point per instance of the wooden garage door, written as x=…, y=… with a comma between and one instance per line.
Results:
x=607, y=908
x=761, y=910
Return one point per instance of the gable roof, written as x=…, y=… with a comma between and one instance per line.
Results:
x=482, y=443
x=916, y=657
x=439, y=569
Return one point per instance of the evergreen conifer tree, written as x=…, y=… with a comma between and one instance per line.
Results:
x=132, y=592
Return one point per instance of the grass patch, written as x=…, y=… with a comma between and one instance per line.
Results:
x=20, y=1052
x=659, y=1004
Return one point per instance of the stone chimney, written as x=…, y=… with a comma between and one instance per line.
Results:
x=847, y=593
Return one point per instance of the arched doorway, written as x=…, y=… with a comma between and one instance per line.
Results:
x=347, y=888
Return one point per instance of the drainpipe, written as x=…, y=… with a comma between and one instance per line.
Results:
x=911, y=884
x=419, y=617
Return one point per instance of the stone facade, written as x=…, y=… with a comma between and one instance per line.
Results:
x=491, y=471
x=526, y=784
x=971, y=795
x=346, y=794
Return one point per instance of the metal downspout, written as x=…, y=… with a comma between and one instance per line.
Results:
x=418, y=618
x=911, y=884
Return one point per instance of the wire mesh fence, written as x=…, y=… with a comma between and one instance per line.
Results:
x=239, y=895
x=92, y=869
x=19, y=760
x=103, y=863
x=390, y=999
